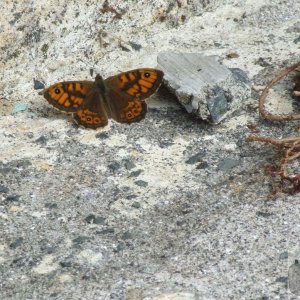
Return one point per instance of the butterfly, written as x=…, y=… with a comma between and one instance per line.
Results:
x=118, y=97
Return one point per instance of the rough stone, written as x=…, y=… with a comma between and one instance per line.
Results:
x=203, y=85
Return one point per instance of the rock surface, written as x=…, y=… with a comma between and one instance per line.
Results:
x=74, y=223
x=203, y=85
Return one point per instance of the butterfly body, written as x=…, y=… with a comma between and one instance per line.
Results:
x=120, y=97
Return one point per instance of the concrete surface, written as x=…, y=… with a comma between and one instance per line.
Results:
x=168, y=208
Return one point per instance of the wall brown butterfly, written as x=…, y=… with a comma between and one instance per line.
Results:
x=118, y=97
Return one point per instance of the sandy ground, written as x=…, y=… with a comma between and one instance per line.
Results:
x=167, y=208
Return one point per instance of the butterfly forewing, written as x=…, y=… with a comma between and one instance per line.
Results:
x=68, y=96
x=136, y=84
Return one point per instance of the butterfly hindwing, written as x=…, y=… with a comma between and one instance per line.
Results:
x=93, y=113
x=127, y=111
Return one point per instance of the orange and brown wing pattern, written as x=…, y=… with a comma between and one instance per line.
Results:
x=68, y=96
x=93, y=113
x=126, y=111
x=136, y=84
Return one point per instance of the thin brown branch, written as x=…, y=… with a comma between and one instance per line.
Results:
x=262, y=99
x=273, y=141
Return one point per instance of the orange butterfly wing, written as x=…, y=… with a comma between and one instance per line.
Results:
x=93, y=113
x=125, y=92
x=68, y=96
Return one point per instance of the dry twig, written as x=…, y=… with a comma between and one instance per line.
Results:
x=288, y=147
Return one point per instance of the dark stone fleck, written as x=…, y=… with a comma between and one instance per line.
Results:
x=196, y=158
x=52, y=295
x=3, y=189
x=19, y=261
x=102, y=135
x=135, y=46
x=136, y=204
x=126, y=236
x=23, y=163
x=282, y=279
x=123, y=48
x=88, y=276
x=41, y=140
x=297, y=40
x=129, y=164
x=264, y=214
x=17, y=243
x=165, y=144
x=13, y=198
x=130, y=197
x=294, y=28
x=45, y=246
x=227, y=164
x=181, y=222
x=106, y=231
x=135, y=173
x=38, y=85
x=240, y=75
x=66, y=263
x=141, y=183
x=218, y=103
x=262, y=62
x=24, y=261
x=186, y=210
x=51, y=205
x=284, y=255
x=92, y=219
x=202, y=165
x=114, y=166
x=17, y=16
x=81, y=239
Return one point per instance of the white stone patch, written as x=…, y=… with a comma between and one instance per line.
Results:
x=42, y=164
x=88, y=136
x=90, y=257
x=2, y=252
x=65, y=278
x=15, y=209
x=39, y=214
x=165, y=166
x=16, y=145
x=175, y=296
x=279, y=103
x=116, y=140
x=3, y=217
x=122, y=153
x=47, y=265
x=237, y=121
x=230, y=147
